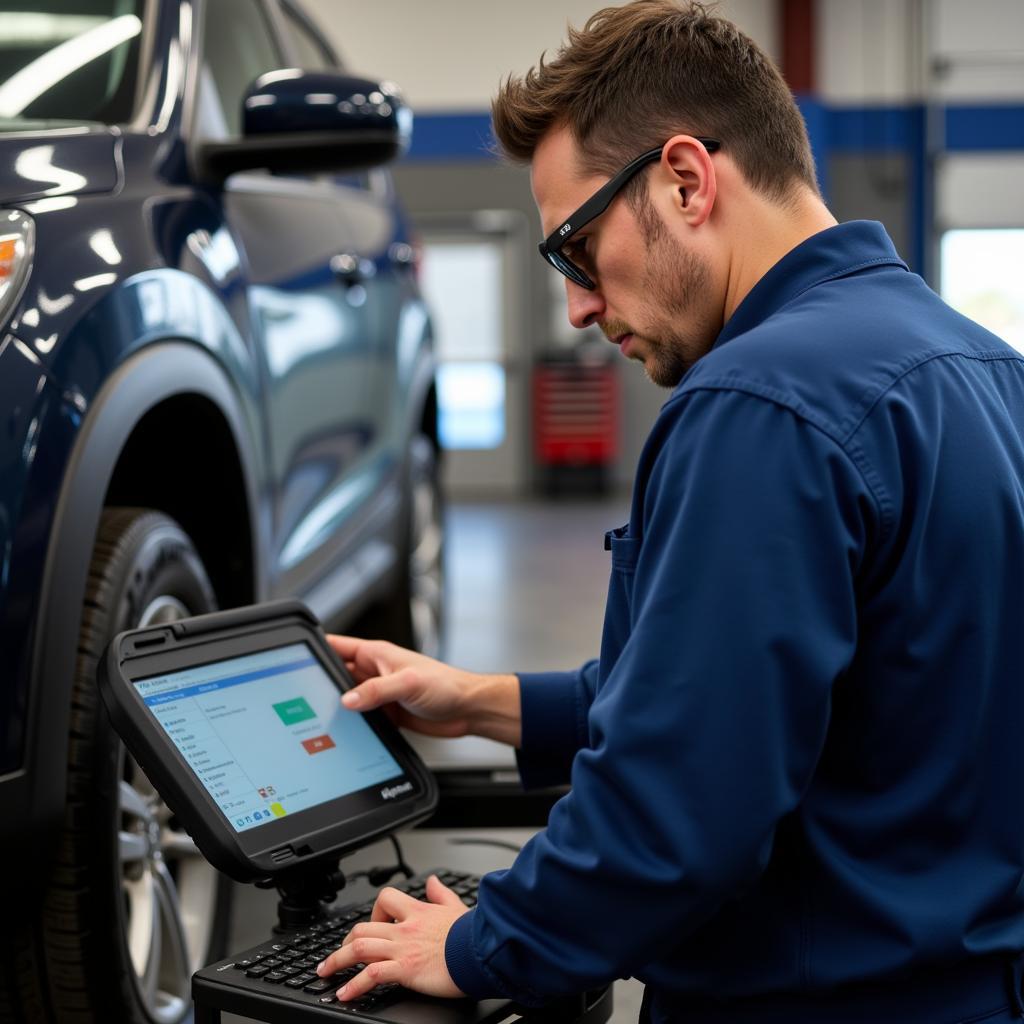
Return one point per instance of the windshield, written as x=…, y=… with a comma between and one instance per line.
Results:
x=69, y=60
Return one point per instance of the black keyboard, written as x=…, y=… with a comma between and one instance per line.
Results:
x=288, y=962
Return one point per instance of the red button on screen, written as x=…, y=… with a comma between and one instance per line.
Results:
x=318, y=743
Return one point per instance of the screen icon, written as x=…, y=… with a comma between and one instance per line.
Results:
x=293, y=711
x=315, y=744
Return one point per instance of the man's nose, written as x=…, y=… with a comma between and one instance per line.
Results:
x=585, y=306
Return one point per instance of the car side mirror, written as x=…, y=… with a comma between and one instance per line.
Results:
x=297, y=122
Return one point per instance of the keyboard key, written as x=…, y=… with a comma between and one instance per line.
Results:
x=290, y=972
x=320, y=985
x=272, y=961
x=275, y=977
x=243, y=965
x=330, y=998
x=257, y=972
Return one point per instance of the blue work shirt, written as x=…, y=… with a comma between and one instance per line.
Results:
x=799, y=762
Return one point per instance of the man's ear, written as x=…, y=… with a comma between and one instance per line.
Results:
x=687, y=164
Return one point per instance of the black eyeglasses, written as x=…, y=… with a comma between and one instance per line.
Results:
x=552, y=246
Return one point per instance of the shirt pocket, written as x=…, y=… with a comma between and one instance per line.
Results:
x=618, y=618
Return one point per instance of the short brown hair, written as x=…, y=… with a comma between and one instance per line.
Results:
x=636, y=75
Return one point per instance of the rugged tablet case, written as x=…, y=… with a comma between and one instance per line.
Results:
x=219, y=844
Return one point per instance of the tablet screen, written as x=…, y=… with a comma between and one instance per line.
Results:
x=267, y=735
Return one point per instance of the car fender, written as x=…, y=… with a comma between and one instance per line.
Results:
x=151, y=375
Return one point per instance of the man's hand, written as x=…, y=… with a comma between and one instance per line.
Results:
x=428, y=696
x=403, y=942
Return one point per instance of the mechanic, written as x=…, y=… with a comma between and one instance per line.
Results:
x=797, y=767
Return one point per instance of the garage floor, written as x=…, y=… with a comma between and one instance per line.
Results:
x=526, y=589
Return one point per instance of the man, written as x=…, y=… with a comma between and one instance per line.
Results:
x=797, y=770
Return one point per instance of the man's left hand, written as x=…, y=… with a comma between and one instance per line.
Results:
x=402, y=942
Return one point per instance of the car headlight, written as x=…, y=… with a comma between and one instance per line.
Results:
x=17, y=245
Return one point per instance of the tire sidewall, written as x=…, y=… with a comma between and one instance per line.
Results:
x=154, y=558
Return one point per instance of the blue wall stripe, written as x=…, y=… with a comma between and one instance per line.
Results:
x=870, y=129
x=984, y=127
x=451, y=137
x=815, y=115
x=833, y=129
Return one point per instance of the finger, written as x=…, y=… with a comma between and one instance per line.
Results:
x=348, y=953
x=401, y=685
x=346, y=647
x=438, y=892
x=380, y=973
x=368, y=930
x=392, y=905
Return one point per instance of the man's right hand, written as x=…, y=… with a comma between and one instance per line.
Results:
x=428, y=696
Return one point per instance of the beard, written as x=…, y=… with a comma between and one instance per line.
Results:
x=676, y=281
x=676, y=284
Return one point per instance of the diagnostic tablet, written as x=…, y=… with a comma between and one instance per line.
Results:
x=236, y=718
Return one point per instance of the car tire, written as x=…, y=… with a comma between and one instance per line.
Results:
x=131, y=908
x=412, y=615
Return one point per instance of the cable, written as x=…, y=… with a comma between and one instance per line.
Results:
x=400, y=857
x=382, y=875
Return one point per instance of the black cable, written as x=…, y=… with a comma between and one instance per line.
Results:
x=400, y=857
x=382, y=875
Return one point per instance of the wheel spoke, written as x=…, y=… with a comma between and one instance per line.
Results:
x=427, y=555
x=175, y=971
x=132, y=802
x=175, y=844
x=144, y=934
x=131, y=847
x=197, y=900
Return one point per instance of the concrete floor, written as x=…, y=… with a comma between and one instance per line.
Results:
x=526, y=588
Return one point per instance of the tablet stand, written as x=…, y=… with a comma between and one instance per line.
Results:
x=305, y=894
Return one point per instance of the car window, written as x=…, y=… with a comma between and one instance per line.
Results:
x=238, y=47
x=310, y=51
x=78, y=62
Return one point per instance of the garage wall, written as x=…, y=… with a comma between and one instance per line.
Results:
x=451, y=55
x=916, y=116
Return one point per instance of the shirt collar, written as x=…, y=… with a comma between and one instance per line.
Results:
x=834, y=252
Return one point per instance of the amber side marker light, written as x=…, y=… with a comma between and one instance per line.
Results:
x=17, y=244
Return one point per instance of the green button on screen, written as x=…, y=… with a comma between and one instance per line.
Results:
x=292, y=711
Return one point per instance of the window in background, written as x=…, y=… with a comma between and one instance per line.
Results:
x=463, y=284
x=982, y=276
x=311, y=52
x=238, y=48
x=60, y=65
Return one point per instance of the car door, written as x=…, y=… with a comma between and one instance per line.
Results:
x=379, y=259
x=309, y=314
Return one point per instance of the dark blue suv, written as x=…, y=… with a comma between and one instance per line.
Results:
x=216, y=387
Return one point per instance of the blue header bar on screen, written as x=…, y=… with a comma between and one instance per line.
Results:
x=222, y=684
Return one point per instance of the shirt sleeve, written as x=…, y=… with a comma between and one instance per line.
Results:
x=707, y=729
x=554, y=707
